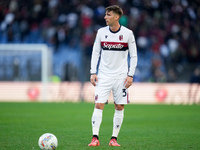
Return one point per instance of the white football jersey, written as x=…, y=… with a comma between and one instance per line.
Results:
x=113, y=47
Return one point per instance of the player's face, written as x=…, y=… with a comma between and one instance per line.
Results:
x=111, y=18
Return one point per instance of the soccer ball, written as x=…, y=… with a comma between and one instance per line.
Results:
x=47, y=141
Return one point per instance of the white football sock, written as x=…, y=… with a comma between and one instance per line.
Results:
x=117, y=122
x=96, y=120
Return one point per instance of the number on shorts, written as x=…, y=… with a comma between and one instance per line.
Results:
x=124, y=92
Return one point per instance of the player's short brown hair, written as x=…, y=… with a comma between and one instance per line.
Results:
x=116, y=9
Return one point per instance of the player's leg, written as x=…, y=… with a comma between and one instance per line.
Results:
x=102, y=91
x=97, y=118
x=120, y=97
x=96, y=122
x=117, y=123
x=117, y=119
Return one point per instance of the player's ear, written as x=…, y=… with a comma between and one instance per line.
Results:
x=116, y=17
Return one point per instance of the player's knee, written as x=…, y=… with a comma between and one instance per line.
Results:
x=119, y=106
x=99, y=106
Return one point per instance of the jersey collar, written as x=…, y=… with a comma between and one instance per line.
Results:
x=115, y=31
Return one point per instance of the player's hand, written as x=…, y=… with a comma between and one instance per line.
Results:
x=128, y=82
x=93, y=79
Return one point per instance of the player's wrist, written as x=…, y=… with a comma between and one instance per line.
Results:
x=93, y=74
x=130, y=76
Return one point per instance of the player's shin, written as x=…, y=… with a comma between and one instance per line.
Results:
x=117, y=122
x=96, y=121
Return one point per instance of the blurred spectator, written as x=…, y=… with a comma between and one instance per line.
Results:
x=195, y=78
x=194, y=86
x=158, y=72
x=168, y=29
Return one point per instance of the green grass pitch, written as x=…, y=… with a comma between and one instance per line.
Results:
x=145, y=127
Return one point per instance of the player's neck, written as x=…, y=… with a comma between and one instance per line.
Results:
x=115, y=27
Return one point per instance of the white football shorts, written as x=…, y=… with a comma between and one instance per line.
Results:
x=104, y=87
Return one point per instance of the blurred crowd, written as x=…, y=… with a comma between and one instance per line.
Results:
x=167, y=32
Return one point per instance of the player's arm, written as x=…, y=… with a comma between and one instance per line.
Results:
x=95, y=58
x=133, y=60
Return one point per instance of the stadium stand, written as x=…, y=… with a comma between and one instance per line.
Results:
x=167, y=34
